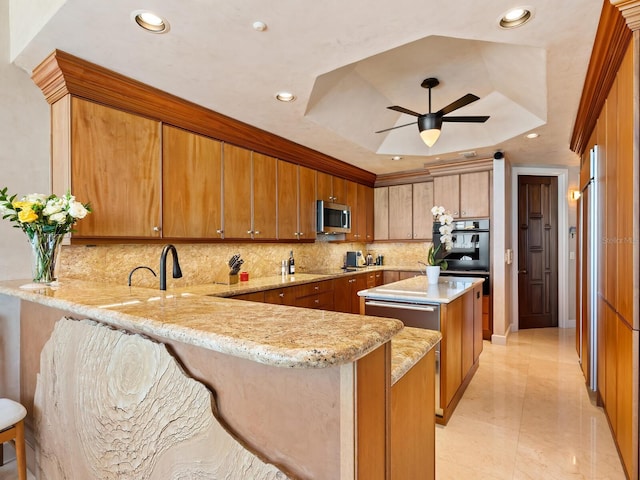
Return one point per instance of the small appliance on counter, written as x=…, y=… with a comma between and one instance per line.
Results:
x=352, y=259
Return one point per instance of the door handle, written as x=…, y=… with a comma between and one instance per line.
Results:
x=522, y=271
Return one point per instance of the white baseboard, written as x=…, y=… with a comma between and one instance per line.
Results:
x=501, y=339
x=570, y=323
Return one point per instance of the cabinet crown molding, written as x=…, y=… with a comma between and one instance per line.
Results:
x=61, y=74
x=630, y=10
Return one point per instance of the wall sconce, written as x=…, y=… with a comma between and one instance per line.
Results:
x=575, y=195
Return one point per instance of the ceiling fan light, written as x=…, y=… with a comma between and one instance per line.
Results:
x=430, y=137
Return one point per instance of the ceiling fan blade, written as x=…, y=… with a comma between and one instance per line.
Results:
x=461, y=102
x=393, y=128
x=404, y=110
x=474, y=119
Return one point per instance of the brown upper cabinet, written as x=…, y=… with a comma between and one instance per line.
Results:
x=359, y=198
x=296, y=202
x=249, y=194
x=400, y=212
x=191, y=180
x=422, y=217
x=465, y=195
x=115, y=165
x=331, y=189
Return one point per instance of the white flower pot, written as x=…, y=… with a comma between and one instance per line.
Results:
x=433, y=273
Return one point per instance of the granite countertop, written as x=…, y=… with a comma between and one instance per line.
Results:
x=269, y=334
x=416, y=289
x=407, y=348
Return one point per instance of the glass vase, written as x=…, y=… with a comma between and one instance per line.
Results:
x=45, y=251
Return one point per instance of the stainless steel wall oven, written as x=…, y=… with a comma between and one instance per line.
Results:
x=470, y=249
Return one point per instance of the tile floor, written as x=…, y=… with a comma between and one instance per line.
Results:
x=528, y=415
x=525, y=415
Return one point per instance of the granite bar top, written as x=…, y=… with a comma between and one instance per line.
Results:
x=418, y=290
x=269, y=334
x=407, y=348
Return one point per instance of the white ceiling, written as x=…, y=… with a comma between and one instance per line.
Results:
x=346, y=61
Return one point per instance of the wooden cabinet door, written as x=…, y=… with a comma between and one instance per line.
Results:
x=307, y=203
x=467, y=331
x=474, y=195
x=191, y=185
x=451, y=351
x=281, y=296
x=478, y=302
x=361, y=212
x=325, y=187
x=381, y=213
x=342, y=294
x=369, y=215
x=422, y=204
x=352, y=201
x=237, y=192
x=400, y=212
x=359, y=283
x=115, y=166
x=287, y=200
x=339, y=190
x=264, y=197
x=446, y=193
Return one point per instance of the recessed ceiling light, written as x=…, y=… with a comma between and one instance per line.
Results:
x=150, y=22
x=396, y=158
x=259, y=26
x=515, y=17
x=285, y=96
x=532, y=135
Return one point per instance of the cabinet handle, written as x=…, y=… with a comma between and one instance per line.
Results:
x=455, y=214
x=156, y=229
x=409, y=236
x=220, y=232
x=281, y=295
x=317, y=300
x=464, y=213
x=257, y=232
x=249, y=232
x=301, y=233
x=317, y=287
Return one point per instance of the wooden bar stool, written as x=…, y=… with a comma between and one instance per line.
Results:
x=12, y=429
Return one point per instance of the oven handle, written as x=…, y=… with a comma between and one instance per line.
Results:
x=403, y=306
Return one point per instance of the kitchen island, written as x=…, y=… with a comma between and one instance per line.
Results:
x=453, y=306
x=306, y=390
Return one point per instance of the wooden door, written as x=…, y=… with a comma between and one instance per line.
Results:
x=237, y=192
x=264, y=197
x=537, y=251
x=381, y=213
x=422, y=217
x=115, y=166
x=474, y=195
x=191, y=185
x=287, y=200
x=325, y=187
x=400, y=212
x=352, y=201
x=370, y=218
x=446, y=193
x=306, y=203
x=361, y=213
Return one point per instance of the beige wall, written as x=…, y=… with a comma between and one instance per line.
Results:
x=24, y=163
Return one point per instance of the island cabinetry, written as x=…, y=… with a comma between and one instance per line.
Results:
x=115, y=164
x=296, y=202
x=464, y=195
x=191, y=178
x=331, y=188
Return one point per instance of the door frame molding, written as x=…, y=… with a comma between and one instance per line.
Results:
x=563, y=241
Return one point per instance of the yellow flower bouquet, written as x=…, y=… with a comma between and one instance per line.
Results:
x=45, y=219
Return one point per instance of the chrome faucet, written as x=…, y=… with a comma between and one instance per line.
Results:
x=138, y=268
x=177, y=273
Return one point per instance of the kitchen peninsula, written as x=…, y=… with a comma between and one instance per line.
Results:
x=306, y=390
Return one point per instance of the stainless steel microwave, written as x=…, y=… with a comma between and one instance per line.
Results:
x=333, y=218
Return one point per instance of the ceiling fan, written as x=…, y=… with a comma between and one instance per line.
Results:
x=430, y=123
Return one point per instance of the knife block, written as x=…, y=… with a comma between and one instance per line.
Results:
x=223, y=277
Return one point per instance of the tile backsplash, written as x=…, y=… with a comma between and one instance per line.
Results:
x=203, y=263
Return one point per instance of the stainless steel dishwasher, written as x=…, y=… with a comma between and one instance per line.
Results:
x=412, y=314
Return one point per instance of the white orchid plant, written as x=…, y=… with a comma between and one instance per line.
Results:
x=38, y=213
x=436, y=257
